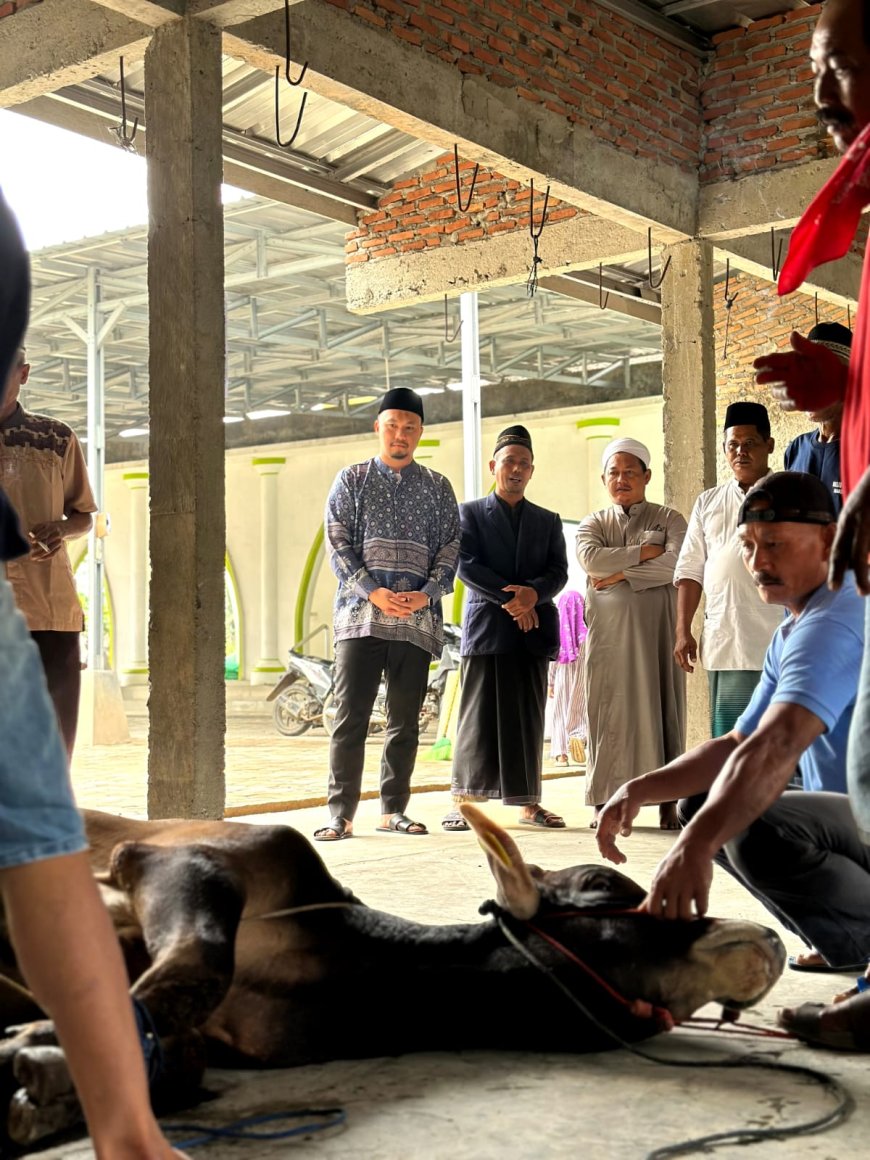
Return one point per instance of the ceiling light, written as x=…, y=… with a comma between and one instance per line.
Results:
x=234, y=418
x=133, y=432
x=432, y=390
x=268, y=413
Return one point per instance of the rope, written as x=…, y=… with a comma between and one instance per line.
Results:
x=844, y=1102
x=240, y=1129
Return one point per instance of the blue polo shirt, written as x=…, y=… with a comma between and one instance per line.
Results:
x=814, y=660
x=808, y=453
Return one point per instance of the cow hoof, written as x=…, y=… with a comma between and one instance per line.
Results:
x=27, y=1122
x=43, y=1073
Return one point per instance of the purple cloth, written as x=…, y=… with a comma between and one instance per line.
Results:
x=572, y=627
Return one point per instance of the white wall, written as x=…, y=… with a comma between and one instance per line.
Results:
x=567, y=479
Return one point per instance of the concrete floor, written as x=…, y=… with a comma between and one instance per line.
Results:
x=526, y=1107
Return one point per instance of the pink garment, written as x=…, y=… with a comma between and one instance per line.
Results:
x=572, y=627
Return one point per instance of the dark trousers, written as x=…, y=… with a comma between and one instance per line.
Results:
x=359, y=665
x=804, y=860
x=61, y=661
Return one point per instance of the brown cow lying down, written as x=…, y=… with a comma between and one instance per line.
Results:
x=224, y=977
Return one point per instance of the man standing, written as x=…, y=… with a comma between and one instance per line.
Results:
x=513, y=561
x=818, y=452
x=392, y=528
x=800, y=853
x=738, y=625
x=635, y=690
x=43, y=472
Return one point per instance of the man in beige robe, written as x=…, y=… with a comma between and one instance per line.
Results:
x=635, y=690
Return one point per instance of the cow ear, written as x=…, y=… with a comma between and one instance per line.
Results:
x=517, y=892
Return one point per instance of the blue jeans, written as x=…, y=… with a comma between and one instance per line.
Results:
x=858, y=756
x=38, y=816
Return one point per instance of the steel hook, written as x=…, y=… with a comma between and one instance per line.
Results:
x=730, y=299
x=287, y=49
x=125, y=139
x=654, y=285
x=775, y=254
x=448, y=337
x=534, y=230
x=463, y=208
x=603, y=299
x=295, y=134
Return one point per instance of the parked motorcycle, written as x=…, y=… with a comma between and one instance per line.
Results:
x=303, y=697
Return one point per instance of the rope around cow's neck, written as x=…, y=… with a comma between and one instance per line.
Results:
x=845, y=1103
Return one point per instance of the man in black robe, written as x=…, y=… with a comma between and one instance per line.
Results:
x=513, y=562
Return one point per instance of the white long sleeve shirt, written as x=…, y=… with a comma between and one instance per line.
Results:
x=738, y=625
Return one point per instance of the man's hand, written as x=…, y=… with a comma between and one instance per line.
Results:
x=45, y=540
x=608, y=581
x=681, y=884
x=686, y=651
x=852, y=543
x=524, y=599
x=526, y=620
x=615, y=821
x=394, y=603
x=809, y=377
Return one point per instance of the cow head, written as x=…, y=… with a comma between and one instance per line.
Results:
x=590, y=911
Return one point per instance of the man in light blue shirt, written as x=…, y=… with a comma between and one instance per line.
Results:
x=800, y=853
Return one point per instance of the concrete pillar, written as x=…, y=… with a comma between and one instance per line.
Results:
x=689, y=379
x=187, y=369
x=596, y=434
x=268, y=666
x=135, y=672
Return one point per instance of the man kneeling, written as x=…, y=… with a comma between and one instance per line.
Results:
x=798, y=852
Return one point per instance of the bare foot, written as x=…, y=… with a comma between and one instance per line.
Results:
x=810, y=959
x=668, y=819
x=593, y=825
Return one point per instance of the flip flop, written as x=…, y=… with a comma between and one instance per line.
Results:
x=824, y=969
x=454, y=821
x=335, y=831
x=545, y=820
x=401, y=824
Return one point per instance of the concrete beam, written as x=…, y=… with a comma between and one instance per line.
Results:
x=265, y=178
x=371, y=71
x=503, y=260
x=836, y=282
x=186, y=367
x=778, y=197
x=220, y=13
x=588, y=291
x=62, y=42
x=154, y=13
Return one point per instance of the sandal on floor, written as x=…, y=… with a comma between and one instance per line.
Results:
x=805, y=1023
x=337, y=829
x=545, y=819
x=824, y=969
x=454, y=821
x=402, y=824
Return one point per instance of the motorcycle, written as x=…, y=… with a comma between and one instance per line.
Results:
x=304, y=697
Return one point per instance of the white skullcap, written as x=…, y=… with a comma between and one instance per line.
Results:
x=629, y=446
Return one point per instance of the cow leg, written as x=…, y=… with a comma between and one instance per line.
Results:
x=188, y=903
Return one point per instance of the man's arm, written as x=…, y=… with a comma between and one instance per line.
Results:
x=659, y=571
x=443, y=571
x=70, y=958
x=46, y=539
x=692, y=773
x=752, y=779
x=685, y=645
x=340, y=520
x=555, y=576
x=596, y=559
x=474, y=571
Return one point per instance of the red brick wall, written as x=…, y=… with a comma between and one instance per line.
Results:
x=421, y=212
x=586, y=63
x=12, y=6
x=761, y=322
x=757, y=100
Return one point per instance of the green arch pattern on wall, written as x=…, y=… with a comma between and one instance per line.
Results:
x=306, y=584
x=108, y=606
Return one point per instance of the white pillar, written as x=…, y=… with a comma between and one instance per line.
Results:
x=135, y=671
x=269, y=665
x=596, y=433
x=471, y=408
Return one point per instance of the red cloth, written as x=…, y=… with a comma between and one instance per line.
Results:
x=824, y=233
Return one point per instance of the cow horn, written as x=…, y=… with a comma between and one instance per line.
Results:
x=517, y=892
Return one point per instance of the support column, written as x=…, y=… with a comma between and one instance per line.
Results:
x=689, y=380
x=136, y=670
x=186, y=369
x=471, y=406
x=267, y=668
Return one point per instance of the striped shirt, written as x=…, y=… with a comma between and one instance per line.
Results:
x=397, y=530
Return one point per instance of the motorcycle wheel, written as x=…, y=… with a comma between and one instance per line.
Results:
x=285, y=712
x=328, y=719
